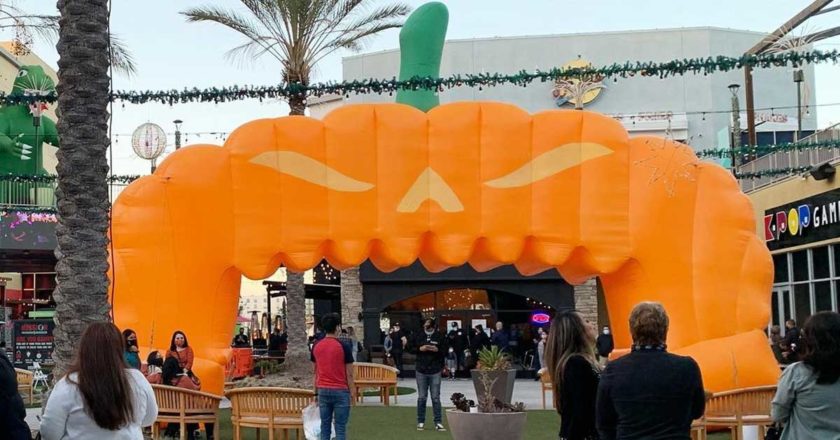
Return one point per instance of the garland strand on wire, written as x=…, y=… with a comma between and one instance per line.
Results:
x=770, y=172
x=522, y=78
x=761, y=150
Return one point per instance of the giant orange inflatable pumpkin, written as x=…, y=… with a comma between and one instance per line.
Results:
x=480, y=183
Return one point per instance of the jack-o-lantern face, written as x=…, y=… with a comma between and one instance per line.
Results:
x=465, y=182
x=482, y=183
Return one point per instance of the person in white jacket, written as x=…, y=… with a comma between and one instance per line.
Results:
x=100, y=397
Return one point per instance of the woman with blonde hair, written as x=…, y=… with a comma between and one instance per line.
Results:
x=574, y=371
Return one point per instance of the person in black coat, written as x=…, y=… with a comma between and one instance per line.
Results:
x=605, y=345
x=649, y=394
x=574, y=371
x=12, y=412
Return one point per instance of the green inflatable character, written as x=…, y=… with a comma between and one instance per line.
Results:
x=22, y=134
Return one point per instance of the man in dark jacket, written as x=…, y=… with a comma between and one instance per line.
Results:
x=649, y=394
x=430, y=347
x=457, y=340
x=790, y=342
x=500, y=337
x=12, y=412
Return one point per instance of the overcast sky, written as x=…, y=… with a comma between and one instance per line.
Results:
x=174, y=54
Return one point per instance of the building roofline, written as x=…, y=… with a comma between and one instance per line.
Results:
x=576, y=34
x=9, y=57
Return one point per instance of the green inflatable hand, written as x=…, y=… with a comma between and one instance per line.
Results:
x=21, y=141
x=421, y=47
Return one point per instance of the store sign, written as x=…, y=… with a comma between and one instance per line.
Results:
x=570, y=90
x=33, y=342
x=540, y=318
x=805, y=221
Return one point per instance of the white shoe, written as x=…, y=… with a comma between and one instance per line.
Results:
x=439, y=427
x=420, y=426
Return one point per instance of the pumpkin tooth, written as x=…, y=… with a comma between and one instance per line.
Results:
x=305, y=168
x=550, y=163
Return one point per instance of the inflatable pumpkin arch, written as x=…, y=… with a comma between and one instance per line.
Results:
x=481, y=183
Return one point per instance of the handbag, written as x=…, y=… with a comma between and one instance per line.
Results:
x=773, y=432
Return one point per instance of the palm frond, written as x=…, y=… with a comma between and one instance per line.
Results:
x=239, y=23
x=122, y=60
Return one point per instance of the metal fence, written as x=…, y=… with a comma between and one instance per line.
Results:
x=791, y=159
x=42, y=194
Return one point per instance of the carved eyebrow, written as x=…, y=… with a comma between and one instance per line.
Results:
x=306, y=168
x=550, y=163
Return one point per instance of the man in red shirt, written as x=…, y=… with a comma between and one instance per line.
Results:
x=333, y=378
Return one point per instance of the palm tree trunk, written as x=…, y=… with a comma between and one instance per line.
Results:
x=297, y=353
x=351, y=300
x=83, y=88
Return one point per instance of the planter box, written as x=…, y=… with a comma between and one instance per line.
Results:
x=486, y=426
x=502, y=388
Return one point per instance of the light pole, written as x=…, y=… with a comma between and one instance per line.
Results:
x=798, y=77
x=177, y=123
x=736, y=124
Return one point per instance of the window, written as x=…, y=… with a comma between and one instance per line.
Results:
x=819, y=257
x=774, y=304
x=822, y=296
x=802, y=301
x=780, y=264
x=800, y=266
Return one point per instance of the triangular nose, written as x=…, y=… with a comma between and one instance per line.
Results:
x=430, y=186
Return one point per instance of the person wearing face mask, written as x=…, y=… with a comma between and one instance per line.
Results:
x=430, y=347
x=131, y=353
x=604, y=345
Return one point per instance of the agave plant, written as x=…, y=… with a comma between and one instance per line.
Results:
x=493, y=359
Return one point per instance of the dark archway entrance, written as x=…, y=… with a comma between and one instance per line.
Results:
x=459, y=294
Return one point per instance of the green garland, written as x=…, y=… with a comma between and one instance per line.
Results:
x=761, y=150
x=522, y=78
x=770, y=172
x=28, y=209
x=51, y=178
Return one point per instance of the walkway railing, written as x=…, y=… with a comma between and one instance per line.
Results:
x=40, y=194
x=791, y=159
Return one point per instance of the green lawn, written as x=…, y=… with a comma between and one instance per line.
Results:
x=371, y=422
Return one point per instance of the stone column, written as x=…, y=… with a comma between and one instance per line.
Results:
x=586, y=300
x=351, y=301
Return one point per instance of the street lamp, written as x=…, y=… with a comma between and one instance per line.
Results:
x=736, y=123
x=798, y=78
x=177, y=123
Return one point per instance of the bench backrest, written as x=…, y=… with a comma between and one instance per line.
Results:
x=741, y=402
x=268, y=401
x=174, y=400
x=363, y=371
x=24, y=377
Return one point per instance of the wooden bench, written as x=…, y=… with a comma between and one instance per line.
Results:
x=182, y=406
x=25, y=381
x=738, y=408
x=545, y=386
x=369, y=375
x=268, y=408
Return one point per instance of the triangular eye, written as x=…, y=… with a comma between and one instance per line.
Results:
x=22, y=73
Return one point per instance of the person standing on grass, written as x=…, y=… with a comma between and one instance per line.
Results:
x=333, y=379
x=430, y=347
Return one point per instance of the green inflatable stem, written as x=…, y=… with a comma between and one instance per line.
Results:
x=421, y=48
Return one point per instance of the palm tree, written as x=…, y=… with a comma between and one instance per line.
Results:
x=83, y=96
x=298, y=34
x=27, y=26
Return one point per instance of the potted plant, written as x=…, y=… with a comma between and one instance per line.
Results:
x=494, y=364
x=492, y=419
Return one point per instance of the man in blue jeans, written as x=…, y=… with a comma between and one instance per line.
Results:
x=430, y=347
x=333, y=379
